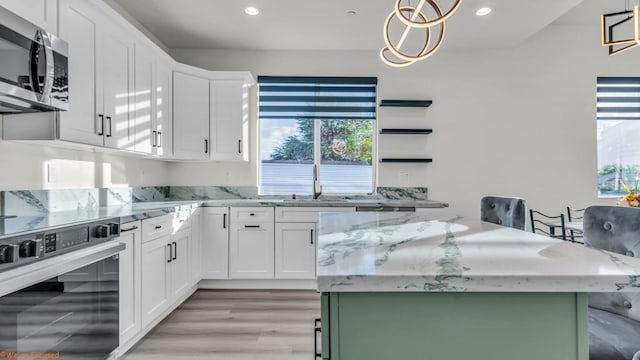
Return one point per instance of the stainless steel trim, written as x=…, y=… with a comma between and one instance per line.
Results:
x=48, y=80
x=24, y=276
x=15, y=99
x=130, y=229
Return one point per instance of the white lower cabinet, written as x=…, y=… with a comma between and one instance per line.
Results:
x=156, y=277
x=215, y=243
x=295, y=251
x=251, y=243
x=180, y=267
x=129, y=276
x=196, y=246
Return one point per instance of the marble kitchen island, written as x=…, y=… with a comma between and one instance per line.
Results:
x=427, y=285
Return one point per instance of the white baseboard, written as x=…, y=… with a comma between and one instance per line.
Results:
x=259, y=284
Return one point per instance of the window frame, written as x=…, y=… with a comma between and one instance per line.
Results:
x=601, y=116
x=317, y=122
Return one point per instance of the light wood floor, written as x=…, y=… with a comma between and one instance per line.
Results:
x=235, y=325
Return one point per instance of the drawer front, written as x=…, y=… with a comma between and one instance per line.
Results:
x=305, y=214
x=182, y=220
x=156, y=227
x=252, y=214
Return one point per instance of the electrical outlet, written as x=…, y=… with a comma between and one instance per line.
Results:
x=51, y=173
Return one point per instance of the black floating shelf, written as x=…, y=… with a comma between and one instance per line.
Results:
x=406, y=103
x=406, y=131
x=405, y=160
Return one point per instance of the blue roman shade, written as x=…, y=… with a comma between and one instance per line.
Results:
x=293, y=97
x=618, y=98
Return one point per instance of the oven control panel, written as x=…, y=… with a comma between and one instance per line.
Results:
x=24, y=249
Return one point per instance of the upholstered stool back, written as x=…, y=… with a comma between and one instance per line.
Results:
x=615, y=229
x=505, y=211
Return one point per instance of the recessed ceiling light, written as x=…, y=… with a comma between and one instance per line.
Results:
x=351, y=12
x=483, y=11
x=251, y=10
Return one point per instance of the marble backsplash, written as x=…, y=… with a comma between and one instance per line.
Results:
x=87, y=201
x=79, y=201
x=164, y=193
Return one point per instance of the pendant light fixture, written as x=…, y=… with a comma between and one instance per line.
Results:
x=614, y=23
x=415, y=18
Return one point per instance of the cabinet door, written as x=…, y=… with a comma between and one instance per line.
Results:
x=43, y=13
x=143, y=109
x=129, y=265
x=155, y=281
x=164, y=123
x=79, y=23
x=229, y=120
x=295, y=251
x=190, y=117
x=196, y=246
x=116, y=60
x=215, y=243
x=251, y=253
x=180, y=267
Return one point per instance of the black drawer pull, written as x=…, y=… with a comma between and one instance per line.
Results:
x=224, y=220
x=311, y=236
x=252, y=226
x=317, y=331
x=170, y=252
x=130, y=229
x=175, y=250
x=158, y=227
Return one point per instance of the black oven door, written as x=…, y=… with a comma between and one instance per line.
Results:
x=71, y=316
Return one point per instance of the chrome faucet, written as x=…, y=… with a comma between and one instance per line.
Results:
x=317, y=188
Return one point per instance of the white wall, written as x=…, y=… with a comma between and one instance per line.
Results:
x=25, y=166
x=513, y=122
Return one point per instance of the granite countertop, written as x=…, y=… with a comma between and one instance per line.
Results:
x=304, y=202
x=143, y=210
x=433, y=251
x=14, y=226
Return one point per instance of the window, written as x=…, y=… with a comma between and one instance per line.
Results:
x=323, y=121
x=618, y=126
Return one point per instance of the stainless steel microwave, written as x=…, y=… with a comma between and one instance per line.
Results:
x=34, y=67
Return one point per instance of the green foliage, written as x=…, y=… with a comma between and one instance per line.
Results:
x=358, y=136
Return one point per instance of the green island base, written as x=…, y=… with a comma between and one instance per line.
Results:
x=454, y=326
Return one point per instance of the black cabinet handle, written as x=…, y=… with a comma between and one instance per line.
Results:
x=311, y=236
x=175, y=250
x=110, y=132
x=158, y=227
x=155, y=139
x=101, y=119
x=130, y=229
x=206, y=146
x=252, y=226
x=170, y=252
x=224, y=220
x=239, y=146
x=159, y=139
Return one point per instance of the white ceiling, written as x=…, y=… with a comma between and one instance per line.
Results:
x=325, y=24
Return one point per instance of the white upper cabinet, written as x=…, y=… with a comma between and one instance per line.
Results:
x=163, y=111
x=79, y=23
x=229, y=120
x=190, y=117
x=117, y=80
x=100, y=78
x=145, y=136
x=43, y=13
